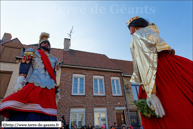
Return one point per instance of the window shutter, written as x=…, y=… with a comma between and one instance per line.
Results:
x=4, y=82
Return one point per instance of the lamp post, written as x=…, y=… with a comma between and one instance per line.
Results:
x=128, y=88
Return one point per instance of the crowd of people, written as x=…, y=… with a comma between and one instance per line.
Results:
x=123, y=126
x=65, y=125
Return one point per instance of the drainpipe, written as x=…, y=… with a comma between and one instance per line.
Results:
x=126, y=100
x=63, y=57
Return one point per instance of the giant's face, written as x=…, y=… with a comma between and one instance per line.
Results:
x=45, y=44
x=132, y=30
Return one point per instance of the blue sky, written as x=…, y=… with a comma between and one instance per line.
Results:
x=99, y=27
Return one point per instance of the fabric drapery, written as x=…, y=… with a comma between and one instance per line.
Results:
x=174, y=81
x=144, y=46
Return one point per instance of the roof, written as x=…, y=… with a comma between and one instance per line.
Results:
x=15, y=41
x=88, y=59
x=6, y=41
x=126, y=66
x=2, y=41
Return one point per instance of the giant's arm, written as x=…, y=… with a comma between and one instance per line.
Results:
x=144, y=53
x=57, y=97
x=24, y=68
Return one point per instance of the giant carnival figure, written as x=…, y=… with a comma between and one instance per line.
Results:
x=165, y=79
x=36, y=91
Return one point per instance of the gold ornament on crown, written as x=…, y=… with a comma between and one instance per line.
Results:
x=130, y=20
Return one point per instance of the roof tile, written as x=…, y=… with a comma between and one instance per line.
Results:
x=82, y=58
x=126, y=66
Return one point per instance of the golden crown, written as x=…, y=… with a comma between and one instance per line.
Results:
x=130, y=20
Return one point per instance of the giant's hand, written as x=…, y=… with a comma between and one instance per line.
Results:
x=19, y=84
x=157, y=105
x=57, y=97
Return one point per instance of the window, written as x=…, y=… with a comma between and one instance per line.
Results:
x=78, y=83
x=134, y=119
x=135, y=89
x=116, y=87
x=77, y=117
x=100, y=117
x=98, y=85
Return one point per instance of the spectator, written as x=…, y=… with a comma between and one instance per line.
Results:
x=62, y=126
x=123, y=126
x=75, y=126
x=67, y=124
x=112, y=127
x=63, y=121
x=93, y=127
x=89, y=126
x=115, y=125
x=103, y=127
x=128, y=127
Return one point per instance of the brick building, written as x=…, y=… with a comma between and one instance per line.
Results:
x=93, y=88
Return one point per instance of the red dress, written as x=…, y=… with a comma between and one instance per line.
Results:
x=30, y=98
x=174, y=88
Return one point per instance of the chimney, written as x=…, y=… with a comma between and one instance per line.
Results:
x=66, y=44
x=6, y=37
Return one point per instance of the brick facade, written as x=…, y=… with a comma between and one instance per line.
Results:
x=88, y=101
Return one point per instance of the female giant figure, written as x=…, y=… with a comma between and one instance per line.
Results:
x=165, y=79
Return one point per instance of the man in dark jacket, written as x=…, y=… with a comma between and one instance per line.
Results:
x=67, y=124
x=89, y=126
x=64, y=121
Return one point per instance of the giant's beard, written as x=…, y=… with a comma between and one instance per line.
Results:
x=45, y=48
